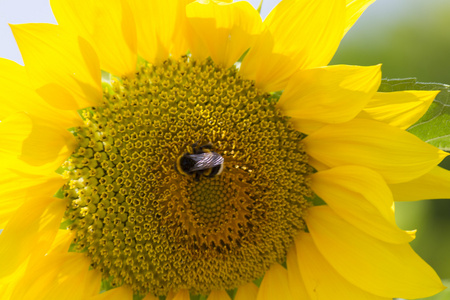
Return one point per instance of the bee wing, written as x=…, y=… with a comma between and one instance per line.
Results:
x=206, y=160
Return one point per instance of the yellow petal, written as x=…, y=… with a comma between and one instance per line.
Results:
x=433, y=185
x=62, y=242
x=275, y=284
x=274, y=73
x=247, y=291
x=296, y=284
x=35, y=141
x=120, y=293
x=8, y=283
x=59, y=248
x=180, y=43
x=18, y=188
x=308, y=31
x=158, y=27
x=218, y=295
x=227, y=30
x=150, y=297
x=18, y=96
x=354, y=10
x=380, y=268
x=306, y=126
x=47, y=144
x=13, y=131
x=399, y=109
x=181, y=295
x=334, y=94
x=32, y=229
x=397, y=155
x=215, y=1
x=301, y=35
x=108, y=25
x=59, y=276
x=361, y=197
x=60, y=65
x=321, y=280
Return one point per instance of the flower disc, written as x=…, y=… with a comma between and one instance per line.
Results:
x=143, y=223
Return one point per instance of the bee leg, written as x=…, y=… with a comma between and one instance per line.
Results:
x=197, y=177
x=194, y=148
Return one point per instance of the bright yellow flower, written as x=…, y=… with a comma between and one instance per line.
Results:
x=89, y=183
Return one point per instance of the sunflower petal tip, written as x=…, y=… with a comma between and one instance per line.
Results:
x=377, y=66
x=412, y=234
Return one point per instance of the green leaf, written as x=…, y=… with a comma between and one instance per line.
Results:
x=434, y=126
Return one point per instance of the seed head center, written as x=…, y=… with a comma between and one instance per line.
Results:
x=144, y=223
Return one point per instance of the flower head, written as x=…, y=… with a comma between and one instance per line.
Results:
x=177, y=148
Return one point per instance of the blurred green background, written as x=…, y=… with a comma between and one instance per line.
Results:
x=411, y=38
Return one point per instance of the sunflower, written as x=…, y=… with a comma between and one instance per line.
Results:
x=178, y=148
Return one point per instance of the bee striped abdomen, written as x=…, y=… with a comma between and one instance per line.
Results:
x=202, y=162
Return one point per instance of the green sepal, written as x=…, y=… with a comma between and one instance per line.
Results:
x=106, y=284
x=66, y=223
x=106, y=77
x=107, y=88
x=259, y=7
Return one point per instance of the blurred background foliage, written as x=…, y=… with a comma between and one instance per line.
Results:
x=410, y=38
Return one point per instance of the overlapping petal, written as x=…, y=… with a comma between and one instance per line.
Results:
x=227, y=30
x=247, y=291
x=59, y=275
x=18, y=96
x=46, y=144
x=181, y=295
x=18, y=187
x=361, y=197
x=397, y=155
x=321, y=280
x=334, y=94
x=62, y=67
x=150, y=297
x=35, y=141
x=108, y=25
x=13, y=131
x=296, y=283
x=307, y=31
x=161, y=28
x=399, y=109
x=433, y=185
x=8, y=283
x=218, y=295
x=383, y=269
x=300, y=35
x=275, y=284
x=31, y=230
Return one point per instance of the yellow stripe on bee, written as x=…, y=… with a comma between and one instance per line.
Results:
x=207, y=172
x=179, y=168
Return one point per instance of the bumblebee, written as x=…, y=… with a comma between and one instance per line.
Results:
x=202, y=161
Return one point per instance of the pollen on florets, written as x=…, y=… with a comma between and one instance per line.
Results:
x=145, y=225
